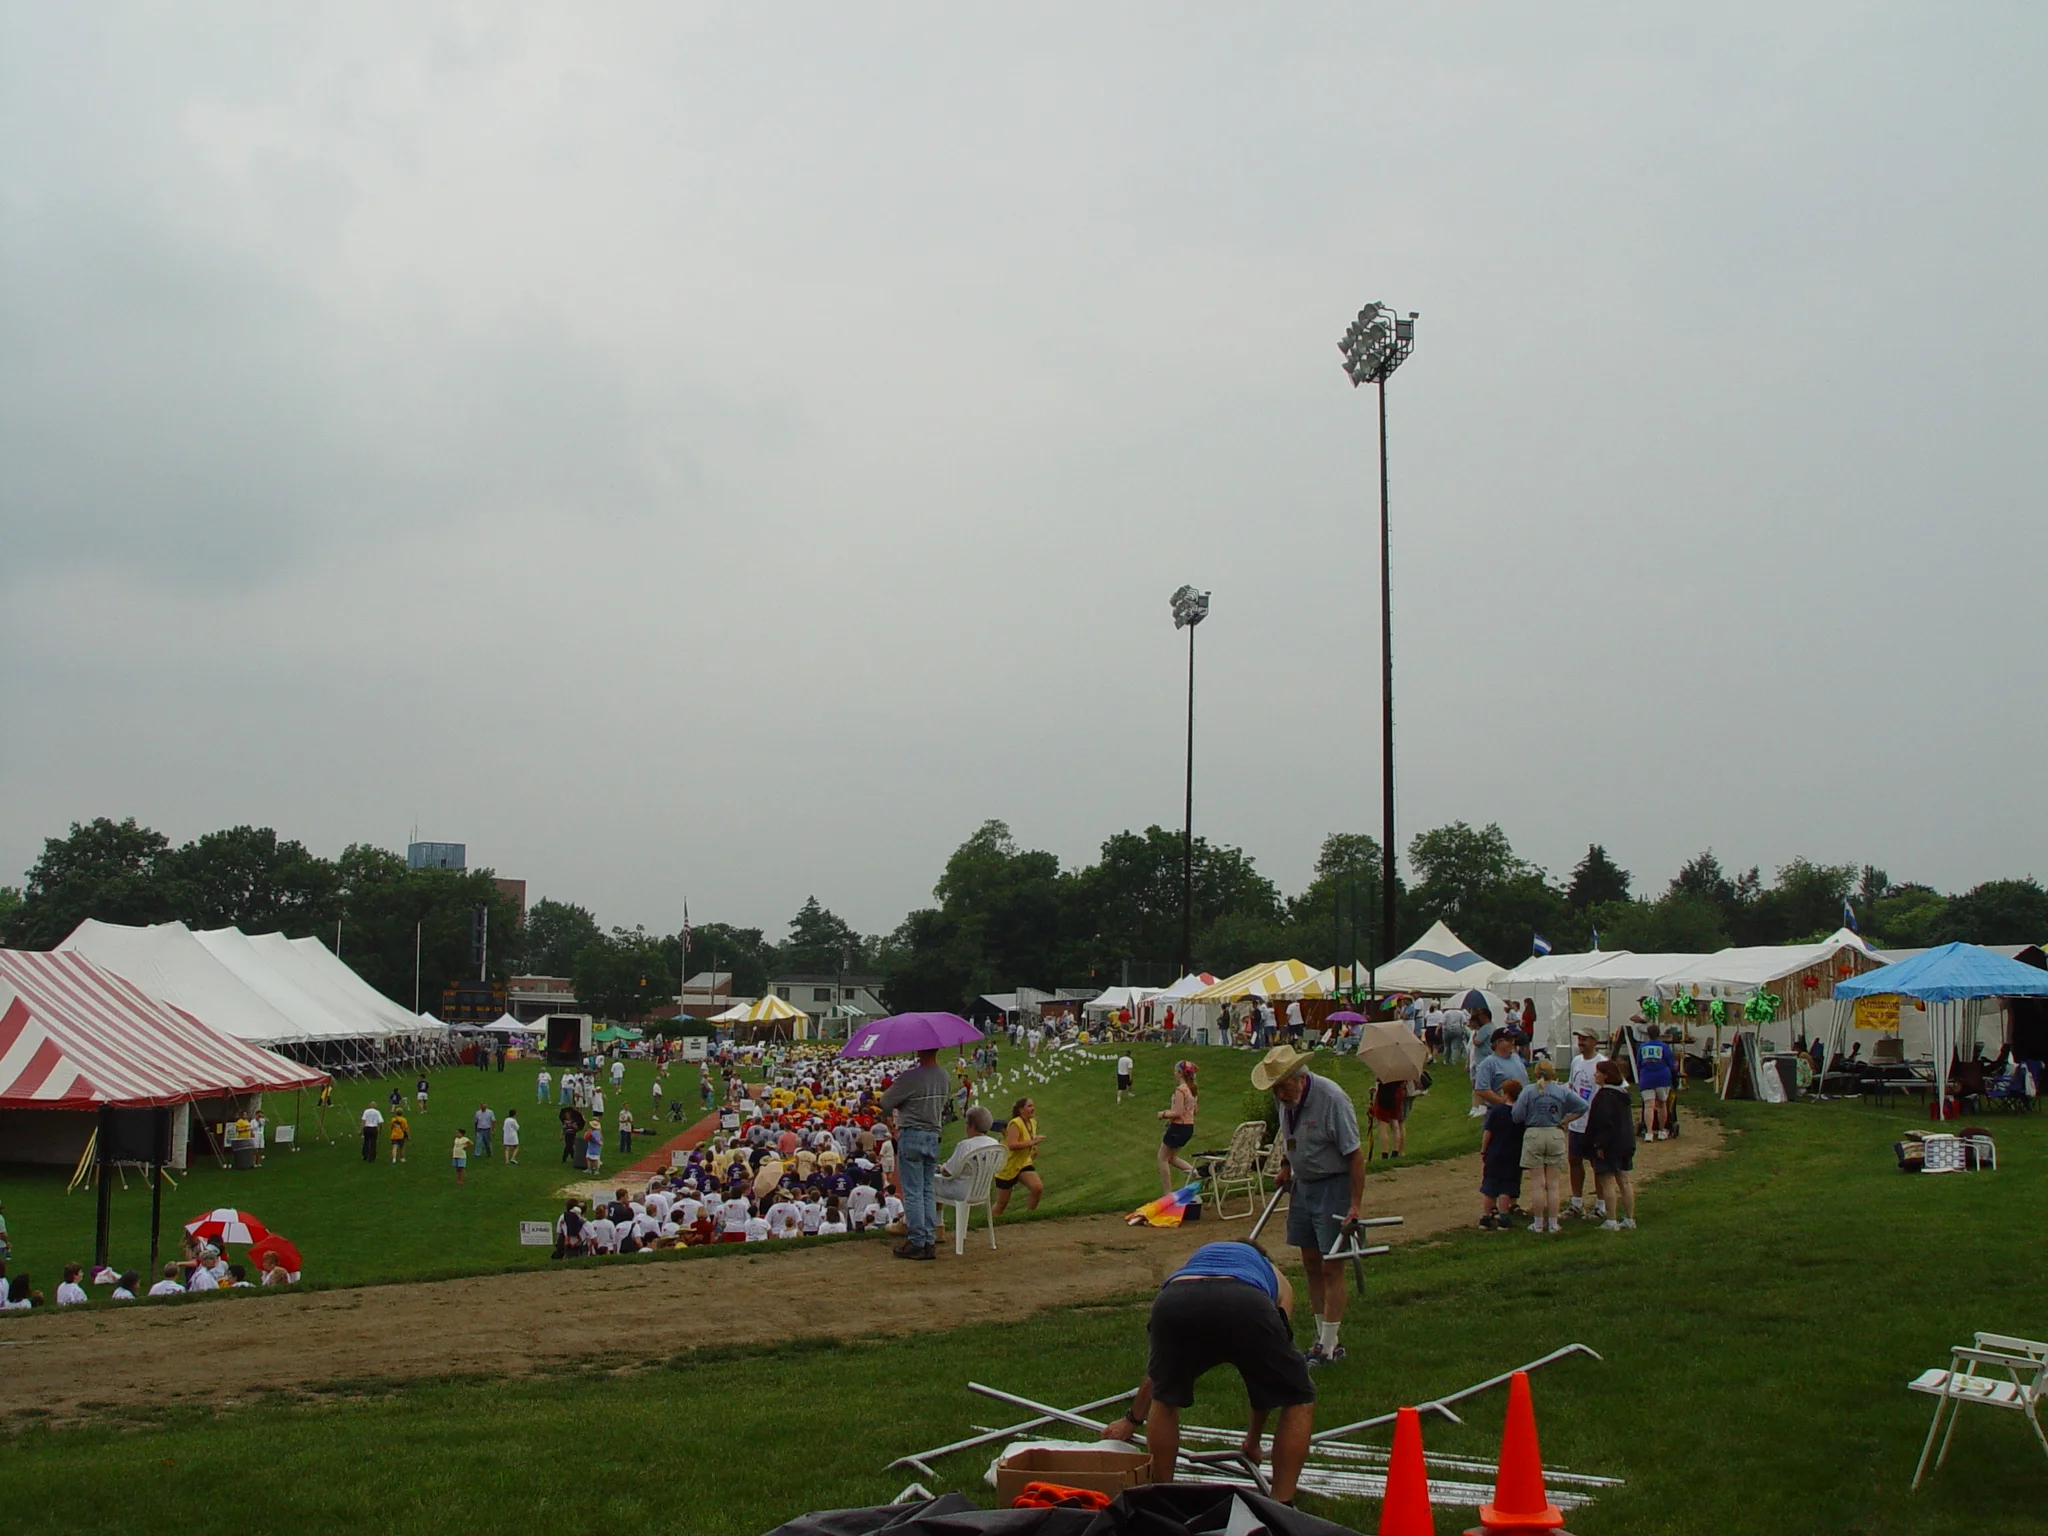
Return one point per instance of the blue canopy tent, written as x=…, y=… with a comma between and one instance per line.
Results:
x=1944, y=978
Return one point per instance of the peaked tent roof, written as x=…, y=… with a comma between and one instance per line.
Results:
x=764, y=1011
x=1439, y=961
x=1636, y=969
x=1947, y=972
x=314, y=1019
x=1731, y=972
x=345, y=976
x=168, y=962
x=319, y=983
x=1556, y=970
x=1267, y=980
x=74, y=1035
x=1187, y=986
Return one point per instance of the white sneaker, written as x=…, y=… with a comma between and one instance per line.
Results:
x=1536, y=1225
x=1610, y=1225
x=1477, y=1113
x=1629, y=1222
x=1657, y=1136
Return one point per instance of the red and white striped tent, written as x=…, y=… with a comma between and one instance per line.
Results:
x=74, y=1036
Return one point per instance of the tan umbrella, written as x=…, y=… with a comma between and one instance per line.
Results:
x=1391, y=1052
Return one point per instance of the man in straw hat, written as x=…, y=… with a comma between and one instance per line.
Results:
x=1324, y=1168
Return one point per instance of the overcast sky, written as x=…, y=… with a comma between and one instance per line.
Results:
x=731, y=451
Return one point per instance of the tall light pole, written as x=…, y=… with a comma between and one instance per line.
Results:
x=1377, y=343
x=1189, y=609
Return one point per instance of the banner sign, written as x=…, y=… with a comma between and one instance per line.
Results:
x=536, y=1234
x=1589, y=1002
x=1878, y=1013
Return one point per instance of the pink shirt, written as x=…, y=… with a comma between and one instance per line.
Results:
x=787, y=1142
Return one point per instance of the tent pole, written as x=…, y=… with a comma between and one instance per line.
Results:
x=161, y=1133
x=104, y=1218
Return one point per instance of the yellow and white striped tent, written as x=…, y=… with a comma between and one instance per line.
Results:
x=1336, y=979
x=1271, y=979
x=768, y=1010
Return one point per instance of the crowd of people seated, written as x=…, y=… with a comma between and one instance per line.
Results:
x=201, y=1269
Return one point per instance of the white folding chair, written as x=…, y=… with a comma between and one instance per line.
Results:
x=2000, y=1372
x=980, y=1173
x=1236, y=1172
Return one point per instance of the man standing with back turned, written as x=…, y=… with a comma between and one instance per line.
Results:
x=917, y=1100
x=1325, y=1165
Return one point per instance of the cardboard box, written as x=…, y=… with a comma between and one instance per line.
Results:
x=1110, y=1470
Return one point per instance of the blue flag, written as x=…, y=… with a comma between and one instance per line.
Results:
x=1596, y=941
x=1849, y=916
x=1539, y=944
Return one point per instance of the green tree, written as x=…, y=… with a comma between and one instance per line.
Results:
x=1595, y=879
x=1804, y=905
x=820, y=942
x=248, y=878
x=622, y=975
x=743, y=953
x=1127, y=905
x=1678, y=922
x=556, y=932
x=925, y=964
x=1492, y=898
x=386, y=908
x=1905, y=917
x=1339, y=912
x=10, y=903
x=1996, y=912
x=116, y=871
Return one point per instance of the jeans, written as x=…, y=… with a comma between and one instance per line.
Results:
x=540, y=1092
x=625, y=1140
x=369, y=1144
x=483, y=1142
x=917, y=1166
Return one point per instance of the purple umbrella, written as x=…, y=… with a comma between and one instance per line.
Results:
x=905, y=1034
x=1347, y=1017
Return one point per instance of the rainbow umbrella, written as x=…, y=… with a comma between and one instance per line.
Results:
x=1167, y=1210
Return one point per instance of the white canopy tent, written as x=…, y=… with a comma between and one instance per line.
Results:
x=343, y=975
x=231, y=947
x=1802, y=976
x=1547, y=979
x=1110, y=1000
x=317, y=981
x=168, y=963
x=1439, y=963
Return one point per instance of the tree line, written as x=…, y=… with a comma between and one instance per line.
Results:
x=1001, y=915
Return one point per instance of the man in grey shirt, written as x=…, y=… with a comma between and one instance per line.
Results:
x=1325, y=1169
x=1496, y=1067
x=917, y=1103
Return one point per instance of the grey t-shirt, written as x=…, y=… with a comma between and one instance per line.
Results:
x=1547, y=1104
x=1321, y=1131
x=919, y=1098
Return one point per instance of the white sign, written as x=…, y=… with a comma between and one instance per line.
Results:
x=696, y=1047
x=679, y=1159
x=536, y=1234
x=284, y=1135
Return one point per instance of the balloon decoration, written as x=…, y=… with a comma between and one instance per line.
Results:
x=1762, y=1007
x=1650, y=1008
x=1717, y=1010
x=1683, y=1007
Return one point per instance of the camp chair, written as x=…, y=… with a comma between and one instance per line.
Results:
x=1269, y=1166
x=1235, y=1171
x=1973, y=1377
x=980, y=1173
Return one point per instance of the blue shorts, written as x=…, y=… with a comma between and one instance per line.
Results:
x=1315, y=1212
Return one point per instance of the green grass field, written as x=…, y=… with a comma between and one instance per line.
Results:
x=1757, y=1333
x=361, y=1224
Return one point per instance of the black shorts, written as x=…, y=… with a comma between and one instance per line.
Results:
x=1198, y=1325
x=1178, y=1136
x=1123, y=1083
x=1011, y=1182
x=1616, y=1159
x=1575, y=1146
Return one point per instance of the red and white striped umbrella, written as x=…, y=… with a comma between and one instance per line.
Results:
x=227, y=1226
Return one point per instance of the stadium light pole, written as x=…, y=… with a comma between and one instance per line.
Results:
x=1189, y=609
x=1377, y=343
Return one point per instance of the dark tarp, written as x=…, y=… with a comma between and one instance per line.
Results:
x=1158, y=1509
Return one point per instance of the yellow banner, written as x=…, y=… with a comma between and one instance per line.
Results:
x=1878, y=1013
x=1589, y=1002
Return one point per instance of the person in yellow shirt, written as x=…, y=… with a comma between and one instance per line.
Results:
x=401, y=1133
x=1020, y=1165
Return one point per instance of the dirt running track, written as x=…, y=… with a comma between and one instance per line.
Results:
x=82, y=1363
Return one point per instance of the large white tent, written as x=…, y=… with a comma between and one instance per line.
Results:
x=354, y=992
x=1438, y=963
x=233, y=949
x=1547, y=979
x=167, y=962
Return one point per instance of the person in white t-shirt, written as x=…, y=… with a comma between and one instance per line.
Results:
x=756, y=1229
x=1123, y=1076
x=508, y=1137
x=124, y=1288
x=813, y=1216
x=833, y=1222
x=202, y=1280
x=373, y=1122
x=733, y=1215
x=859, y=1203
x=786, y=1219
x=1579, y=1078
x=70, y=1293
x=170, y=1285
x=600, y=1233
x=618, y=1075
x=688, y=1211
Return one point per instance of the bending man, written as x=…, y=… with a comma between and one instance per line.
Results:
x=1228, y=1305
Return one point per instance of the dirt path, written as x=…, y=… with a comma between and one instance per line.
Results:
x=80, y=1363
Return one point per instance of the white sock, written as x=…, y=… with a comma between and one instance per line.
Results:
x=1326, y=1335
x=1577, y=1203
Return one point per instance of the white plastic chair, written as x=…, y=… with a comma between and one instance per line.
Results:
x=1973, y=1376
x=980, y=1173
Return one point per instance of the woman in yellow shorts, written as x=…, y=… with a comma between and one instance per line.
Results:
x=1020, y=1139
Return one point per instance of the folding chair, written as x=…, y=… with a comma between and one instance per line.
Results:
x=979, y=1171
x=1236, y=1171
x=1972, y=1377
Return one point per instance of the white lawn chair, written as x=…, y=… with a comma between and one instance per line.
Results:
x=980, y=1173
x=1999, y=1372
x=1236, y=1172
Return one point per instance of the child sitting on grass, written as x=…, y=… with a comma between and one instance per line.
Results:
x=1500, y=1161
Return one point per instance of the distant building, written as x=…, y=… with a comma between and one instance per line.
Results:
x=533, y=997
x=828, y=996
x=513, y=891
x=706, y=993
x=437, y=856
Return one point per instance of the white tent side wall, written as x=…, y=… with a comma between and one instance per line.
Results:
x=295, y=966
x=168, y=962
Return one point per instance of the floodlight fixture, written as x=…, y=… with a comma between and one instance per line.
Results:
x=1189, y=607
x=1377, y=343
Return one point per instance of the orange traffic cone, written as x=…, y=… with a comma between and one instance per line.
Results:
x=1404, y=1510
x=1519, y=1503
